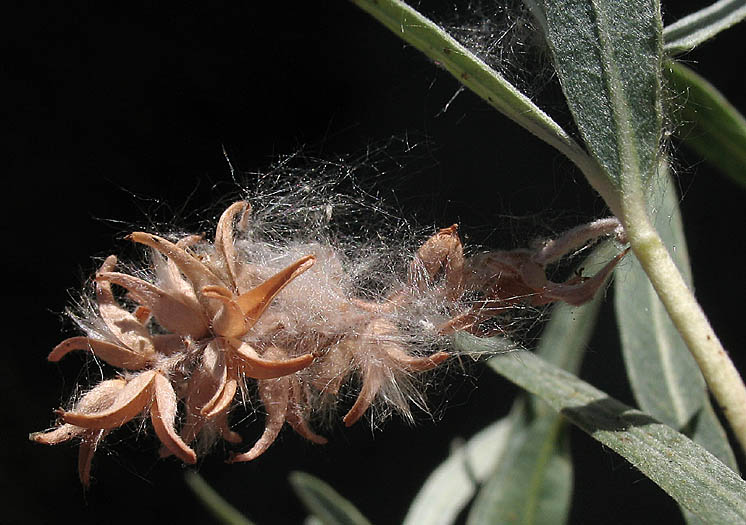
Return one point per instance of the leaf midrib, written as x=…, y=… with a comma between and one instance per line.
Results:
x=627, y=151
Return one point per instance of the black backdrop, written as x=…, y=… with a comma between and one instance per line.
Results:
x=119, y=119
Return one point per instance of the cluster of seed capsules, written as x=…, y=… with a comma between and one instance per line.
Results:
x=204, y=325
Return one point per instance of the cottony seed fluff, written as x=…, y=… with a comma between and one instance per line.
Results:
x=191, y=331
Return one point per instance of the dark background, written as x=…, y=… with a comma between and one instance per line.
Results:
x=118, y=120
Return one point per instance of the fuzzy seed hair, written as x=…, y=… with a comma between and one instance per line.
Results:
x=276, y=302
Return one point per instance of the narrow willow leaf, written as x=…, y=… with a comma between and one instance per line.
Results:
x=696, y=479
x=607, y=55
x=426, y=36
x=533, y=483
x=709, y=124
x=453, y=483
x=555, y=499
x=664, y=377
x=692, y=30
x=708, y=432
x=223, y=511
x=323, y=502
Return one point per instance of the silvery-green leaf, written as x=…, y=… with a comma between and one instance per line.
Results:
x=696, y=479
x=708, y=432
x=223, y=511
x=533, y=481
x=325, y=503
x=707, y=122
x=693, y=29
x=664, y=377
x=608, y=55
x=453, y=483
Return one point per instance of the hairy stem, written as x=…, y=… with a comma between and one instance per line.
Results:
x=717, y=368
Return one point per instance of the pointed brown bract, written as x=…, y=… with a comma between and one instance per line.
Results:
x=224, y=400
x=275, y=394
x=229, y=321
x=208, y=381
x=224, y=243
x=254, y=302
x=373, y=378
x=171, y=312
x=163, y=414
x=195, y=271
x=298, y=412
x=283, y=399
x=382, y=360
x=257, y=367
x=88, y=445
x=114, y=354
x=123, y=325
x=129, y=402
x=444, y=253
x=98, y=398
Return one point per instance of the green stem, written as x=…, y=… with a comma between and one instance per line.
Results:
x=721, y=375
